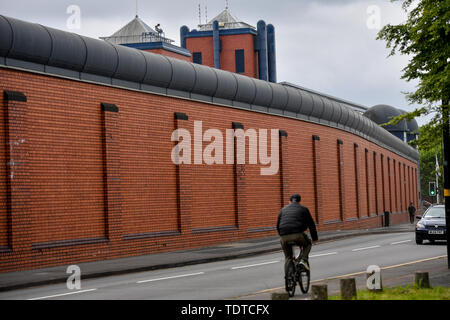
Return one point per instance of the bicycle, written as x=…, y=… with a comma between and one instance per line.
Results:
x=296, y=272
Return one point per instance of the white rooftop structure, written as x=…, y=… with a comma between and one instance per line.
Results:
x=226, y=21
x=137, y=31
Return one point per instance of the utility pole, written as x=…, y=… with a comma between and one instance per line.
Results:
x=446, y=140
x=437, y=181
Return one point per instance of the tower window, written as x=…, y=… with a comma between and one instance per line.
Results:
x=197, y=57
x=240, y=61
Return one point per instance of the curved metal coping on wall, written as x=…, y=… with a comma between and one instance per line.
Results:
x=42, y=49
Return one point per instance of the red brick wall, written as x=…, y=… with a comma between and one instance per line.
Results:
x=96, y=184
x=380, y=187
x=230, y=43
x=170, y=54
x=213, y=186
x=65, y=163
x=391, y=186
x=203, y=45
x=263, y=192
x=3, y=174
x=329, y=174
x=144, y=168
x=237, y=42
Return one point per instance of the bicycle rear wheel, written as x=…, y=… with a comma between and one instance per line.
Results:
x=304, y=280
x=289, y=278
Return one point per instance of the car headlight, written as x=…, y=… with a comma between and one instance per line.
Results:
x=420, y=225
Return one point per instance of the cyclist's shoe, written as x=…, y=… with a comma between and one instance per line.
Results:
x=305, y=264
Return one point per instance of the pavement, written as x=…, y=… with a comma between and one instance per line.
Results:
x=228, y=251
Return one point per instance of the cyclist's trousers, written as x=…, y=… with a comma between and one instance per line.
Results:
x=300, y=239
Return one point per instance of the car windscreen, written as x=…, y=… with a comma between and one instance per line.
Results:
x=434, y=213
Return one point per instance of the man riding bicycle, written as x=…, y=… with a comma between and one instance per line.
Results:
x=292, y=223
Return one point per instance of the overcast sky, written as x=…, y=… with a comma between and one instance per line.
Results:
x=324, y=45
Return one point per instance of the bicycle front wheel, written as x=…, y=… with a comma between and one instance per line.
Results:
x=289, y=277
x=304, y=280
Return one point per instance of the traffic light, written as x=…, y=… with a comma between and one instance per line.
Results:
x=432, y=188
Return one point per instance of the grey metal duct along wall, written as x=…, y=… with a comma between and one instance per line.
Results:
x=35, y=47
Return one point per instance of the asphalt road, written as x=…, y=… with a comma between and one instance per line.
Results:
x=240, y=277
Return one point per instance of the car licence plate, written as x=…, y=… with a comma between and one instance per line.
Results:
x=436, y=232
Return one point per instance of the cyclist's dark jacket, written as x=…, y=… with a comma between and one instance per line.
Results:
x=295, y=218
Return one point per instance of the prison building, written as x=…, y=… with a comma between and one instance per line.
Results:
x=139, y=35
x=86, y=136
x=405, y=130
x=232, y=45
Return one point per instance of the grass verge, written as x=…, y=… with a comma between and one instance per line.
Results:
x=410, y=292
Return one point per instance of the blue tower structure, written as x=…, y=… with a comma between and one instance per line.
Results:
x=230, y=44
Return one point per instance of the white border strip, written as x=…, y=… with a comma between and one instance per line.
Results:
x=174, y=277
x=62, y=294
x=255, y=265
x=367, y=248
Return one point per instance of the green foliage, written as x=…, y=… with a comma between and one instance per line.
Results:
x=425, y=38
x=410, y=292
x=430, y=135
x=428, y=171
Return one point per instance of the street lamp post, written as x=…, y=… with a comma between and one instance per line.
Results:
x=446, y=140
x=438, y=174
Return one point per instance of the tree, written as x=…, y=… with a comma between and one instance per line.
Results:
x=430, y=136
x=425, y=38
x=430, y=145
x=428, y=171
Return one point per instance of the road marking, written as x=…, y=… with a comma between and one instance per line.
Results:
x=173, y=277
x=277, y=261
x=366, y=248
x=382, y=268
x=323, y=254
x=63, y=294
x=413, y=262
x=255, y=265
x=399, y=242
x=350, y=274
